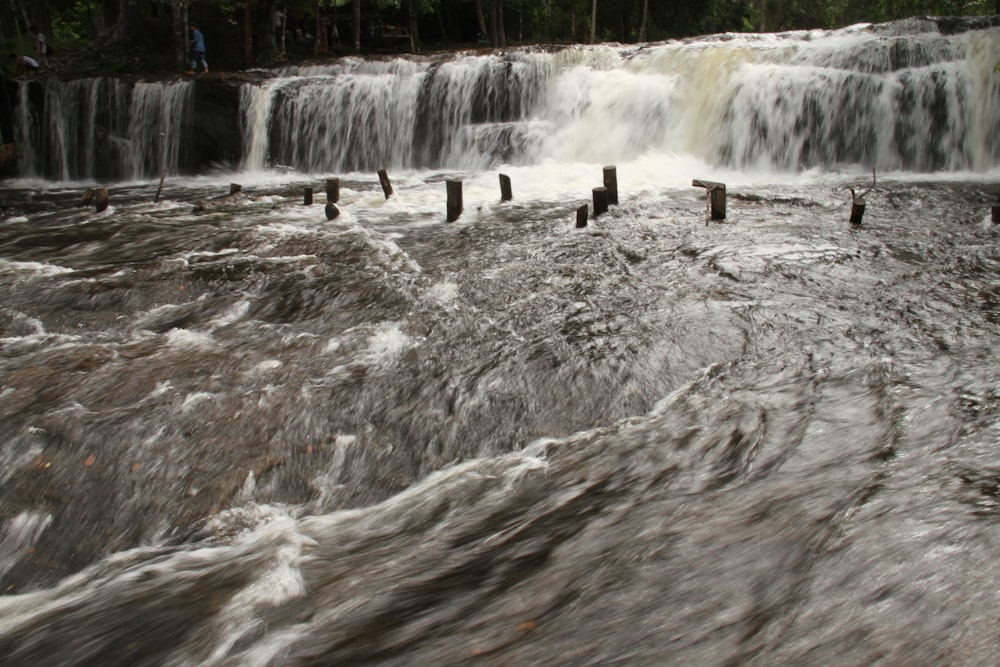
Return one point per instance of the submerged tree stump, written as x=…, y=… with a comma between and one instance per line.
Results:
x=600, y=201
x=333, y=190
x=454, y=200
x=87, y=197
x=506, y=193
x=101, y=199
x=331, y=211
x=716, y=197
x=581, y=216
x=307, y=197
x=383, y=178
x=234, y=188
x=611, y=183
x=857, y=209
x=996, y=214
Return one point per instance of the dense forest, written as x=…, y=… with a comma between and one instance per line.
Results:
x=149, y=35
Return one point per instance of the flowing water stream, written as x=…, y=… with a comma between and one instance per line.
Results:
x=240, y=434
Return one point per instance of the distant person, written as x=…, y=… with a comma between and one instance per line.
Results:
x=41, y=47
x=197, y=49
x=26, y=64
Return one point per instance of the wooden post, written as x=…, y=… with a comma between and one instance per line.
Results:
x=857, y=209
x=600, y=201
x=234, y=188
x=87, y=198
x=163, y=175
x=333, y=190
x=383, y=178
x=581, y=216
x=101, y=199
x=307, y=197
x=506, y=194
x=996, y=214
x=331, y=210
x=716, y=197
x=611, y=183
x=454, y=200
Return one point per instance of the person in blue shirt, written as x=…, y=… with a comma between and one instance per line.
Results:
x=197, y=49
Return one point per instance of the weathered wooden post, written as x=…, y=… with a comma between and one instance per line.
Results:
x=857, y=208
x=581, y=216
x=858, y=202
x=87, y=197
x=333, y=190
x=454, y=200
x=600, y=201
x=996, y=214
x=234, y=188
x=716, y=197
x=506, y=194
x=331, y=210
x=383, y=178
x=163, y=175
x=101, y=199
x=611, y=183
x=307, y=197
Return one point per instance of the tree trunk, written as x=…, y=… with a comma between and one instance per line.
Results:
x=180, y=34
x=247, y=35
x=645, y=17
x=357, y=26
x=481, y=17
x=763, y=16
x=414, y=26
x=501, y=33
x=593, y=23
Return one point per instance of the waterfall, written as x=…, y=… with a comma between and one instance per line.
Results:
x=102, y=128
x=900, y=96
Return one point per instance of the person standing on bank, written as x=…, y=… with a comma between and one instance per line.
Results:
x=197, y=49
x=41, y=47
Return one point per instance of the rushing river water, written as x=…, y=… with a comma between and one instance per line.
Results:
x=240, y=434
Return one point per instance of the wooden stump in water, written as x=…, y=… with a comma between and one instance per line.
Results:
x=600, y=201
x=307, y=197
x=383, y=178
x=506, y=194
x=101, y=199
x=234, y=188
x=716, y=197
x=331, y=210
x=87, y=197
x=857, y=210
x=611, y=183
x=454, y=200
x=333, y=190
x=581, y=216
x=996, y=214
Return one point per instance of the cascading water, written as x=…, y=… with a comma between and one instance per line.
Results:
x=920, y=102
x=103, y=128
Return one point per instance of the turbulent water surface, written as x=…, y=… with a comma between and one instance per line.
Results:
x=236, y=433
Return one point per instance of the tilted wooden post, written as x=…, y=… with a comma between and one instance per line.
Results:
x=234, y=188
x=611, y=183
x=600, y=201
x=716, y=197
x=581, y=216
x=101, y=199
x=331, y=210
x=506, y=194
x=383, y=178
x=163, y=175
x=307, y=197
x=454, y=200
x=333, y=190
